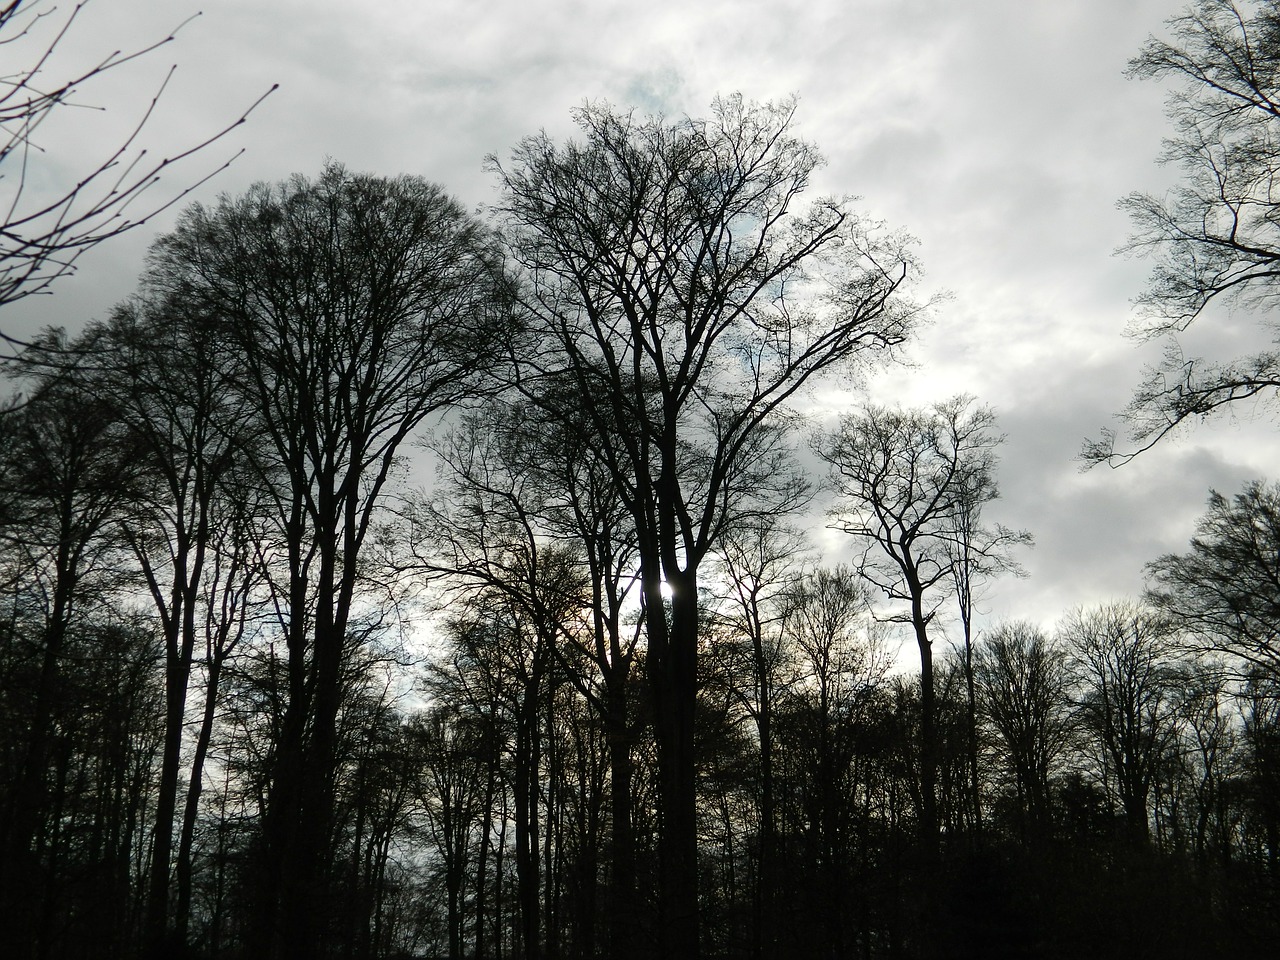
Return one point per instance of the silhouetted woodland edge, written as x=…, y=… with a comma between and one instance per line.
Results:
x=386, y=580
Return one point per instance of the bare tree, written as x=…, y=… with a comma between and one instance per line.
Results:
x=162, y=371
x=65, y=473
x=979, y=553
x=451, y=797
x=683, y=296
x=491, y=529
x=1216, y=236
x=524, y=511
x=1024, y=695
x=42, y=237
x=1206, y=760
x=354, y=307
x=840, y=662
x=904, y=481
x=761, y=564
x=1122, y=654
x=1261, y=735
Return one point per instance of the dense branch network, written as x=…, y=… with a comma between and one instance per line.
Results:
x=1215, y=237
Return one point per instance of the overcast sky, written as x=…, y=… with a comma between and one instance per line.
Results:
x=999, y=132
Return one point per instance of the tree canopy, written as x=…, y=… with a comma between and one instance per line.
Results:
x=1225, y=591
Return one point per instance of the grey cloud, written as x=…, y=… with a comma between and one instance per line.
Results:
x=1000, y=132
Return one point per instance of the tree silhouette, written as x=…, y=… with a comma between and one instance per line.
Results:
x=352, y=307
x=1225, y=591
x=682, y=297
x=1215, y=236
x=907, y=483
x=43, y=236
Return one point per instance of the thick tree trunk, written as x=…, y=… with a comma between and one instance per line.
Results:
x=177, y=676
x=284, y=873
x=526, y=778
x=453, y=905
x=278, y=885
x=299, y=832
x=673, y=658
x=191, y=811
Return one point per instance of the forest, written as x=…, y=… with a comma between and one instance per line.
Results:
x=384, y=579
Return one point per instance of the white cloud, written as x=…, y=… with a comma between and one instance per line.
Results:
x=999, y=132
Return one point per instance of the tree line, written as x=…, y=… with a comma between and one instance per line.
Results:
x=591, y=691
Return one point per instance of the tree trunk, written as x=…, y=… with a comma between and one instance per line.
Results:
x=926, y=894
x=971, y=731
x=526, y=779
x=929, y=830
x=764, y=892
x=191, y=812
x=623, y=925
x=283, y=870
x=482, y=857
x=177, y=675
x=22, y=876
x=673, y=658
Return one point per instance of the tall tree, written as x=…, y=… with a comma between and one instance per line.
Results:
x=65, y=472
x=524, y=496
x=232, y=599
x=526, y=517
x=905, y=479
x=840, y=661
x=1123, y=657
x=1261, y=734
x=1203, y=761
x=355, y=307
x=978, y=554
x=1024, y=696
x=683, y=295
x=164, y=370
x=451, y=797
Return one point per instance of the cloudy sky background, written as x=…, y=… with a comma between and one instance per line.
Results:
x=999, y=132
